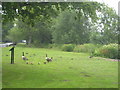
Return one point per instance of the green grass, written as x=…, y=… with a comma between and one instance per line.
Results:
x=68, y=70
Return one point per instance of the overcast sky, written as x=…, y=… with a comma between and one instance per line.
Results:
x=110, y=3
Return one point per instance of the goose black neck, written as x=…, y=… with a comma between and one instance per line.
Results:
x=46, y=55
x=23, y=53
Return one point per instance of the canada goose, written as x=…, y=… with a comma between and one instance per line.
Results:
x=48, y=59
x=31, y=63
x=23, y=57
x=26, y=62
x=90, y=56
x=44, y=62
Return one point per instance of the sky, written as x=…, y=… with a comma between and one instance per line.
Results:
x=110, y=3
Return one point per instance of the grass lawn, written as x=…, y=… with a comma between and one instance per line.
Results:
x=68, y=70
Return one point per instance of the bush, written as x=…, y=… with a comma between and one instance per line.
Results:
x=68, y=47
x=108, y=51
x=86, y=48
x=55, y=46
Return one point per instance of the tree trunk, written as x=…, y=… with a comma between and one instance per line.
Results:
x=29, y=40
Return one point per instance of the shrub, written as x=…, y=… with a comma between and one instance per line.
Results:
x=68, y=47
x=86, y=48
x=108, y=51
x=55, y=46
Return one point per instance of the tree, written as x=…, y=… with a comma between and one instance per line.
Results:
x=5, y=28
x=15, y=35
x=110, y=29
x=28, y=15
x=69, y=29
x=38, y=34
x=105, y=30
x=35, y=21
x=42, y=33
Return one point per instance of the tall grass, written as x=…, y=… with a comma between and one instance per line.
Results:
x=86, y=48
x=108, y=51
x=68, y=47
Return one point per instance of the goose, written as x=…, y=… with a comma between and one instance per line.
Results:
x=26, y=62
x=48, y=59
x=44, y=62
x=31, y=63
x=90, y=56
x=23, y=57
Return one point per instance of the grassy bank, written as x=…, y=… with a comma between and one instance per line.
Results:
x=68, y=70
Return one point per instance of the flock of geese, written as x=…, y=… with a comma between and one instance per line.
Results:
x=48, y=59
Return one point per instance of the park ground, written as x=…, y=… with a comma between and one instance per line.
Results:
x=67, y=70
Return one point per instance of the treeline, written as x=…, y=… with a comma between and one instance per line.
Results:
x=59, y=23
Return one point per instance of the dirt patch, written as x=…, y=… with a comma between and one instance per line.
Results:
x=83, y=72
x=70, y=67
x=86, y=75
x=115, y=60
x=65, y=80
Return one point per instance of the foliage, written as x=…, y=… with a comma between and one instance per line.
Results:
x=32, y=19
x=37, y=35
x=42, y=33
x=68, y=47
x=105, y=30
x=68, y=29
x=55, y=46
x=15, y=35
x=5, y=28
x=86, y=48
x=108, y=51
x=62, y=23
x=25, y=29
x=32, y=13
x=32, y=10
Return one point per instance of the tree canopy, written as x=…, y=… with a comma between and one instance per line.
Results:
x=60, y=22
